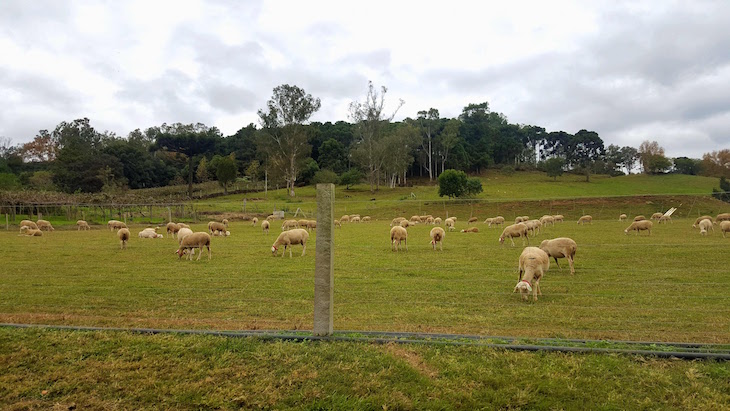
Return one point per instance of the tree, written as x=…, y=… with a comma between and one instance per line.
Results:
x=401, y=141
x=285, y=140
x=685, y=165
x=428, y=120
x=554, y=167
x=447, y=140
x=614, y=159
x=584, y=148
x=188, y=139
x=43, y=148
x=716, y=163
x=351, y=177
x=369, y=120
x=225, y=172
x=452, y=183
x=629, y=157
x=473, y=187
x=651, y=156
x=252, y=171
x=201, y=173
x=324, y=176
x=332, y=156
x=723, y=194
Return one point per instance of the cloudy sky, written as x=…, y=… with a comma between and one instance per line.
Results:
x=631, y=71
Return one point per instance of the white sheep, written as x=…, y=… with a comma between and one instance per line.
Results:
x=697, y=221
x=533, y=226
x=724, y=227
x=265, y=226
x=656, y=216
x=561, y=247
x=558, y=218
x=706, y=225
x=182, y=233
x=172, y=229
x=82, y=225
x=191, y=242
x=429, y=220
x=302, y=223
x=221, y=233
x=396, y=221
x=665, y=219
x=470, y=230
x=586, y=219
x=289, y=224
x=437, y=236
x=415, y=219
x=311, y=225
x=345, y=219
x=514, y=230
x=519, y=219
x=44, y=225
x=405, y=224
x=498, y=220
x=437, y=221
x=366, y=219
x=641, y=225
x=254, y=221
x=123, y=235
x=337, y=223
x=547, y=220
x=489, y=221
x=214, y=226
x=722, y=217
x=30, y=232
x=290, y=238
x=149, y=233
x=622, y=217
x=29, y=224
x=450, y=223
x=639, y=218
x=183, y=225
x=225, y=222
x=398, y=234
x=111, y=224
x=533, y=264
x=355, y=219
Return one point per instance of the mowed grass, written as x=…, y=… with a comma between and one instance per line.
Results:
x=670, y=286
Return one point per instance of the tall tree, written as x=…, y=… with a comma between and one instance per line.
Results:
x=401, y=141
x=716, y=163
x=429, y=121
x=226, y=172
x=686, y=165
x=369, y=119
x=448, y=140
x=43, y=148
x=629, y=157
x=651, y=156
x=285, y=139
x=583, y=149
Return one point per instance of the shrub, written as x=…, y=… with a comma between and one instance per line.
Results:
x=554, y=167
x=324, y=176
x=452, y=183
x=473, y=186
x=351, y=177
x=508, y=170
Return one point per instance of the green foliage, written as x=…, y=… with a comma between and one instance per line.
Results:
x=473, y=187
x=685, y=165
x=508, y=170
x=201, y=173
x=9, y=181
x=325, y=176
x=226, y=171
x=554, y=167
x=452, y=183
x=723, y=194
x=332, y=156
x=309, y=169
x=351, y=177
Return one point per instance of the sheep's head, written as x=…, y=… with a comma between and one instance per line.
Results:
x=273, y=249
x=501, y=239
x=524, y=288
x=180, y=252
x=626, y=231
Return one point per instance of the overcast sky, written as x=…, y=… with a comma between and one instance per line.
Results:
x=631, y=71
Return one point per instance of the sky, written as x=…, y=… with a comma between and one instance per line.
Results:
x=629, y=70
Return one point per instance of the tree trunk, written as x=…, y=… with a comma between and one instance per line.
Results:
x=190, y=177
x=430, y=162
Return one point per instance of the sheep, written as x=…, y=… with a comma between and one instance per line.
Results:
x=123, y=235
x=265, y=226
x=722, y=217
x=225, y=222
x=345, y=219
x=534, y=226
x=562, y=247
x=437, y=221
x=639, y=218
x=30, y=232
x=472, y=220
x=290, y=238
x=270, y=217
x=525, y=218
x=149, y=233
x=533, y=264
x=437, y=236
x=398, y=234
x=519, y=219
x=415, y=219
x=429, y=220
x=697, y=221
x=289, y=224
x=221, y=233
x=191, y=242
x=558, y=218
x=405, y=224
x=338, y=223
x=622, y=217
x=110, y=224
x=184, y=232
x=664, y=219
x=183, y=225
x=450, y=222
x=44, y=225
x=366, y=219
x=470, y=230
x=311, y=225
x=514, y=230
x=639, y=226
x=302, y=223
x=498, y=220
x=172, y=229
x=706, y=225
x=547, y=219
x=254, y=221
x=724, y=227
x=355, y=219
x=396, y=221
x=656, y=216
x=214, y=226
x=29, y=224
x=83, y=225
x=586, y=219
x=489, y=221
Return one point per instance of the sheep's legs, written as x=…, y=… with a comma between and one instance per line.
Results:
x=570, y=262
x=304, y=249
x=556, y=263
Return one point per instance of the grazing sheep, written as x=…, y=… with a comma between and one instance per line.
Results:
x=533, y=226
x=83, y=225
x=472, y=220
x=44, y=225
x=489, y=221
x=697, y=221
x=183, y=225
x=149, y=233
x=622, y=217
x=338, y=223
x=30, y=232
x=498, y=220
x=405, y=224
x=221, y=233
x=525, y=218
x=519, y=219
x=533, y=264
x=437, y=236
x=270, y=217
x=225, y=222
x=558, y=218
x=191, y=242
x=345, y=219
x=656, y=216
x=547, y=220
x=706, y=225
x=29, y=224
x=724, y=227
x=664, y=219
x=639, y=218
x=562, y=247
x=184, y=232
x=265, y=226
x=355, y=219
x=398, y=234
x=366, y=219
x=586, y=219
x=290, y=238
x=311, y=225
x=254, y=221
x=450, y=222
x=123, y=235
x=415, y=219
x=116, y=225
x=429, y=220
x=289, y=224
x=396, y=221
x=722, y=217
x=470, y=230
x=214, y=226
x=514, y=230
x=110, y=224
x=172, y=229
x=437, y=221
x=640, y=225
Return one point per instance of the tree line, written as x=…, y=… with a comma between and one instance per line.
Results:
x=287, y=149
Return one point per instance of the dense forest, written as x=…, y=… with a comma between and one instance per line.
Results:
x=286, y=149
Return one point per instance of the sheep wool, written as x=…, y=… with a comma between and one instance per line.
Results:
x=290, y=238
x=533, y=264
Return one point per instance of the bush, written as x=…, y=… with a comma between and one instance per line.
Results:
x=508, y=170
x=473, y=186
x=9, y=181
x=452, y=183
x=351, y=177
x=324, y=176
x=554, y=167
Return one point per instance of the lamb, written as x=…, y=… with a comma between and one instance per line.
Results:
x=437, y=236
x=558, y=218
x=123, y=235
x=470, y=230
x=311, y=225
x=193, y=241
x=29, y=224
x=184, y=232
x=722, y=217
x=622, y=217
x=30, y=232
x=533, y=264
x=214, y=226
x=83, y=225
x=664, y=219
x=345, y=219
x=706, y=225
x=265, y=226
x=337, y=223
x=639, y=218
x=724, y=227
x=697, y=221
x=514, y=230
x=562, y=247
x=437, y=221
x=398, y=234
x=405, y=224
x=44, y=225
x=586, y=219
x=355, y=219
x=254, y=221
x=498, y=220
x=639, y=226
x=172, y=229
x=656, y=216
x=149, y=233
x=472, y=220
x=290, y=238
x=450, y=222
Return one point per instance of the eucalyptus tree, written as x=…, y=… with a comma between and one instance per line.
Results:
x=429, y=122
x=284, y=138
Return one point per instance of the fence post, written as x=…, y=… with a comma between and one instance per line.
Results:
x=324, y=261
x=7, y=222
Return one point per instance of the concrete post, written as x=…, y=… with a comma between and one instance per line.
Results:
x=324, y=261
